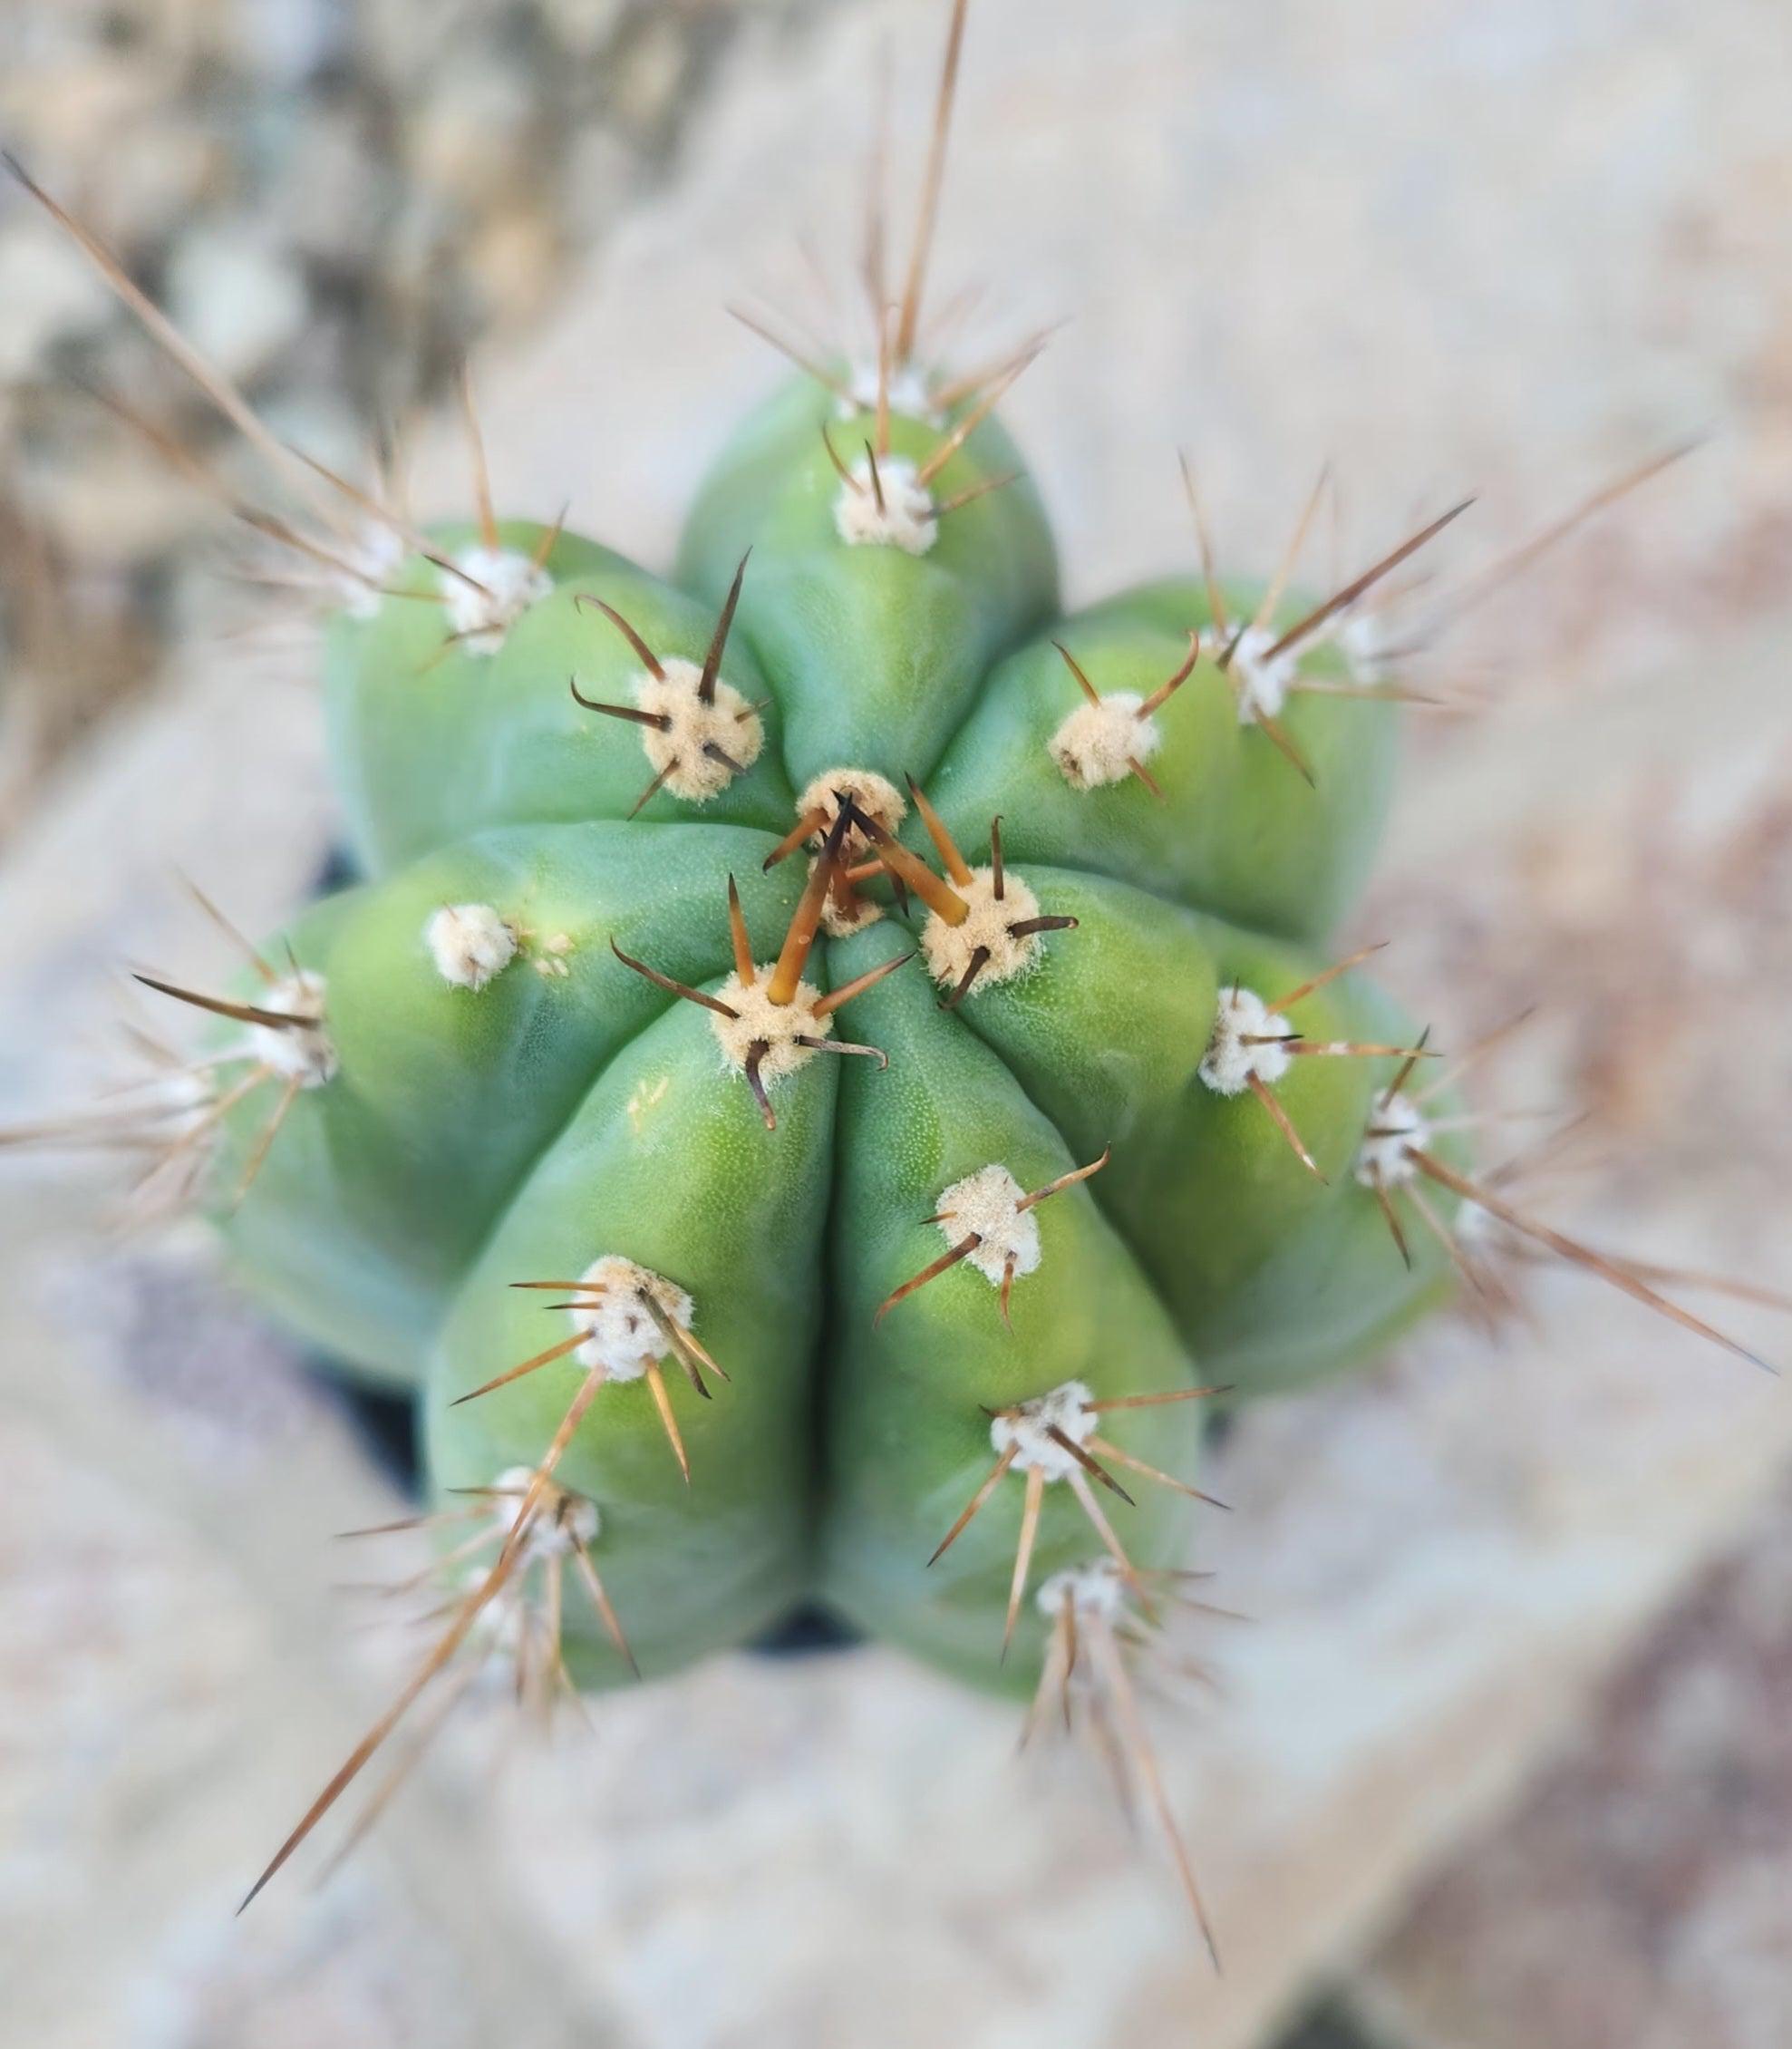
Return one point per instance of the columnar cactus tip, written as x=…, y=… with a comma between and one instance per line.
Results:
x=1118, y=1134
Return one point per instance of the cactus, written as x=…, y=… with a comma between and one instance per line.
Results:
x=831, y=1069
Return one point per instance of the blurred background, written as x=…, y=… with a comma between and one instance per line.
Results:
x=1504, y=1756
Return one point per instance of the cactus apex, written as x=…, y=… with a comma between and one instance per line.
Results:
x=767, y=1020
x=868, y=799
x=871, y=798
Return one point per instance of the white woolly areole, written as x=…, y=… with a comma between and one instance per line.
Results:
x=907, y=519
x=1104, y=743
x=730, y=723
x=1229, y=1064
x=301, y=1053
x=470, y=942
x=908, y=391
x=563, y=1522
x=1364, y=644
x=169, y=1105
x=497, y=1630
x=948, y=949
x=776, y=1026
x=1394, y=1128
x=1097, y=1590
x=1024, y=1428
x=988, y=1203
x=509, y=583
x=370, y=560
x=620, y=1335
x=1262, y=686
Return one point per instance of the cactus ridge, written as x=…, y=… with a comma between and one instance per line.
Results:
x=611, y=1005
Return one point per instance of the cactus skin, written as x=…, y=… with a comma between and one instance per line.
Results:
x=566, y=1108
x=1244, y=838
x=429, y=748
x=916, y=636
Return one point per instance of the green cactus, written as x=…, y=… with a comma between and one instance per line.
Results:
x=501, y=1084
x=831, y=1067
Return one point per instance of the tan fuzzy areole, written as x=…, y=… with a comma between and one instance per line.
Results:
x=774, y=1027
x=703, y=746
x=988, y=928
x=1105, y=741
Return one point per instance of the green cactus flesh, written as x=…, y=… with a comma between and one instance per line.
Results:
x=504, y=1084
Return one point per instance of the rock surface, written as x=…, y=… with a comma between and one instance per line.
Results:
x=336, y=205
x=1642, y=1896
